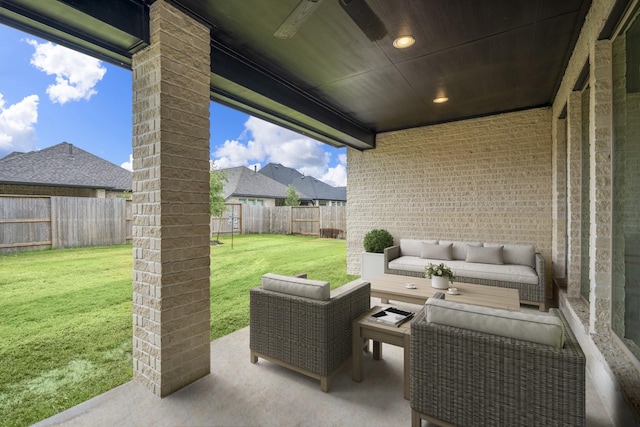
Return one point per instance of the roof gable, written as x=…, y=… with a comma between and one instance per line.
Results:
x=309, y=185
x=242, y=181
x=63, y=165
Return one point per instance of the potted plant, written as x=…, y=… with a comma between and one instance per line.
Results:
x=375, y=242
x=440, y=275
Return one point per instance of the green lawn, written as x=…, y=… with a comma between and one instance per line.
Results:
x=65, y=315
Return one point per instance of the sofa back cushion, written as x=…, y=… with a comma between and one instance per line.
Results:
x=485, y=255
x=412, y=247
x=459, y=249
x=532, y=327
x=431, y=251
x=517, y=254
x=312, y=289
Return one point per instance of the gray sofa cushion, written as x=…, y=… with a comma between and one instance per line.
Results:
x=313, y=289
x=532, y=327
x=485, y=255
x=503, y=273
x=431, y=251
x=517, y=254
x=412, y=247
x=459, y=249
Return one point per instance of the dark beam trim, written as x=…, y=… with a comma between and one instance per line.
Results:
x=287, y=98
x=583, y=78
x=586, y=6
x=617, y=13
x=14, y=14
x=266, y=113
x=129, y=16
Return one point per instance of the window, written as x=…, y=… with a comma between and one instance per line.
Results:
x=625, y=313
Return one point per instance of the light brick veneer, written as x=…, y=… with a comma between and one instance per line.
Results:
x=485, y=179
x=559, y=211
x=616, y=375
x=600, y=136
x=574, y=193
x=170, y=203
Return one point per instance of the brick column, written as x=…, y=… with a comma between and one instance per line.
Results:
x=574, y=190
x=559, y=203
x=171, y=314
x=600, y=136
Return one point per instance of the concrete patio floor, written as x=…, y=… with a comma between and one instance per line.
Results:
x=238, y=393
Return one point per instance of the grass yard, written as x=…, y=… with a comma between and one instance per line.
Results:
x=65, y=315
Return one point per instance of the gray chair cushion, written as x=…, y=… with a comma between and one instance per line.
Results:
x=313, y=289
x=532, y=327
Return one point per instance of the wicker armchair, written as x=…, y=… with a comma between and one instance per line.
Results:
x=307, y=335
x=463, y=377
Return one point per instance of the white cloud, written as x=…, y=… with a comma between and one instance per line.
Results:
x=76, y=74
x=274, y=144
x=128, y=165
x=336, y=176
x=234, y=153
x=17, y=132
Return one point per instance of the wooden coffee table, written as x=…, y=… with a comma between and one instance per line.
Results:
x=392, y=287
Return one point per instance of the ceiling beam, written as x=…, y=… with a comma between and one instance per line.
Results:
x=111, y=31
x=243, y=85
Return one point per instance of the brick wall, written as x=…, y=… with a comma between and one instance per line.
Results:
x=45, y=190
x=485, y=179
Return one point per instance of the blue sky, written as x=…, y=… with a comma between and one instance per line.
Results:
x=50, y=94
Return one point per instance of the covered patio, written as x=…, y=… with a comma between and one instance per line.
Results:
x=238, y=393
x=506, y=121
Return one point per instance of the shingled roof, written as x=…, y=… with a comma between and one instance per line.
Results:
x=63, y=165
x=243, y=182
x=312, y=187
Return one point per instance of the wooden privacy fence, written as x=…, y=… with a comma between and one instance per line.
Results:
x=323, y=221
x=31, y=223
x=28, y=223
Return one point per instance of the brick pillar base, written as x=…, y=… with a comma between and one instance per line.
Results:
x=171, y=300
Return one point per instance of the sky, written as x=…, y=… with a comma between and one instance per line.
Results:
x=50, y=94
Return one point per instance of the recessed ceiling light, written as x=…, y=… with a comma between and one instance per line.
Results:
x=403, y=42
x=440, y=99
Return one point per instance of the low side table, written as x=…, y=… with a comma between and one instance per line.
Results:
x=366, y=329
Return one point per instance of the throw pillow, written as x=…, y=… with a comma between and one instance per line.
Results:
x=429, y=251
x=485, y=255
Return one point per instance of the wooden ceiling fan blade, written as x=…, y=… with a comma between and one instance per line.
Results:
x=365, y=18
x=296, y=18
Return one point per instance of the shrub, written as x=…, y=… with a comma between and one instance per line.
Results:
x=377, y=240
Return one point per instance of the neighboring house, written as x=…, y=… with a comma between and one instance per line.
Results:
x=247, y=186
x=62, y=170
x=321, y=193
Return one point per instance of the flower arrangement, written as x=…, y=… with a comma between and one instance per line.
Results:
x=438, y=271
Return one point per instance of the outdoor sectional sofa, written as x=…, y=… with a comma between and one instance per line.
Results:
x=510, y=266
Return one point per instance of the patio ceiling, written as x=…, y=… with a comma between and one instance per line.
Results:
x=330, y=70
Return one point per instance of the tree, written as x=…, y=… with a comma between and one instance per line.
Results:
x=217, y=178
x=293, y=199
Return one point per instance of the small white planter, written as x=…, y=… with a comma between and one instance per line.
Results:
x=440, y=282
x=371, y=265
